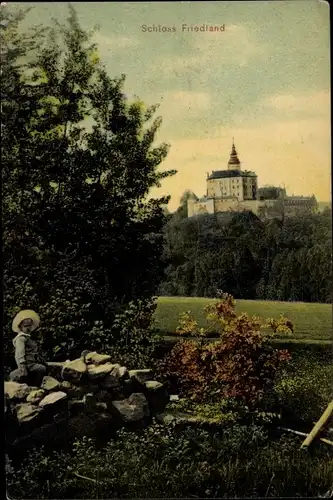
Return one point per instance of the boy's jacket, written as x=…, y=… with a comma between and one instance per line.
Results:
x=25, y=349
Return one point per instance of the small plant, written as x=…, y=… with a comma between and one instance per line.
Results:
x=241, y=365
x=164, y=462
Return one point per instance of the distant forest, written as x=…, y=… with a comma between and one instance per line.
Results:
x=286, y=260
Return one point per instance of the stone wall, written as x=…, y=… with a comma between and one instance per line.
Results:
x=89, y=396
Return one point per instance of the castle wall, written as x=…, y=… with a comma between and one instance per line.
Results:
x=230, y=186
x=203, y=207
x=249, y=188
x=225, y=204
x=249, y=205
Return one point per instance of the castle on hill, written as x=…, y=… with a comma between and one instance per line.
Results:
x=236, y=190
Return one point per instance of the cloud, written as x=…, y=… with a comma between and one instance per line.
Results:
x=175, y=103
x=236, y=46
x=316, y=103
x=110, y=43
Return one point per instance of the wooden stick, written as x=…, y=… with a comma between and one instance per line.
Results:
x=319, y=425
x=84, y=477
x=324, y=440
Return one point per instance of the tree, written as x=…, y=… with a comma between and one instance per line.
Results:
x=82, y=238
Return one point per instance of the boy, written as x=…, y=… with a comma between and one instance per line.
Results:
x=28, y=362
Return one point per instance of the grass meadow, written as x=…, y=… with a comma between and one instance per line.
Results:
x=312, y=322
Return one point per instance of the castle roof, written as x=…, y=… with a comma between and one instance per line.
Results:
x=233, y=160
x=224, y=174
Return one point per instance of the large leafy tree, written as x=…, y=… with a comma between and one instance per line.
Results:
x=82, y=237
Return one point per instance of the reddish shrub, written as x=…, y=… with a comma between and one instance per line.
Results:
x=241, y=365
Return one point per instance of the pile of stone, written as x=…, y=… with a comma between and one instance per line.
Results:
x=89, y=396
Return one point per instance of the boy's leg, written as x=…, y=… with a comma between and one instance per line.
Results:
x=36, y=373
x=16, y=376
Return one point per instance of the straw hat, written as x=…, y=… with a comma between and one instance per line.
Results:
x=21, y=316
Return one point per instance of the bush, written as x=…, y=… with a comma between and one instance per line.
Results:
x=241, y=365
x=305, y=390
x=161, y=462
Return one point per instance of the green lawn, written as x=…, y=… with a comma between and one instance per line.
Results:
x=312, y=322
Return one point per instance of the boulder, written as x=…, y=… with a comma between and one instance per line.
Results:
x=76, y=406
x=140, y=376
x=54, y=398
x=132, y=409
x=120, y=372
x=110, y=382
x=15, y=391
x=78, y=391
x=96, y=359
x=35, y=396
x=50, y=384
x=55, y=368
x=100, y=371
x=26, y=413
x=104, y=396
x=102, y=407
x=73, y=371
x=89, y=401
x=153, y=385
x=157, y=396
x=183, y=420
x=66, y=386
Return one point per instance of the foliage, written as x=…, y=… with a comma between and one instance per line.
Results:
x=82, y=239
x=241, y=365
x=248, y=257
x=164, y=462
x=305, y=389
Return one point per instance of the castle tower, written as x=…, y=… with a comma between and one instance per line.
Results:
x=233, y=163
x=191, y=202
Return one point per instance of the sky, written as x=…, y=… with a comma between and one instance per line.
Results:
x=264, y=80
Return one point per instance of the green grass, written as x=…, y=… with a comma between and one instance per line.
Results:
x=312, y=322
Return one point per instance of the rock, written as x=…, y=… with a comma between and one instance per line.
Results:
x=110, y=381
x=120, y=372
x=97, y=359
x=141, y=376
x=16, y=391
x=50, y=384
x=132, y=409
x=157, y=396
x=187, y=419
x=55, y=368
x=10, y=422
x=89, y=401
x=66, y=386
x=35, y=396
x=153, y=385
x=78, y=391
x=166, y=418
x=27, y=413
x=76, y=406
x=101, y=371
x=72, y=371
x=102, y=407
x=104, y=396
x=52, y=399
